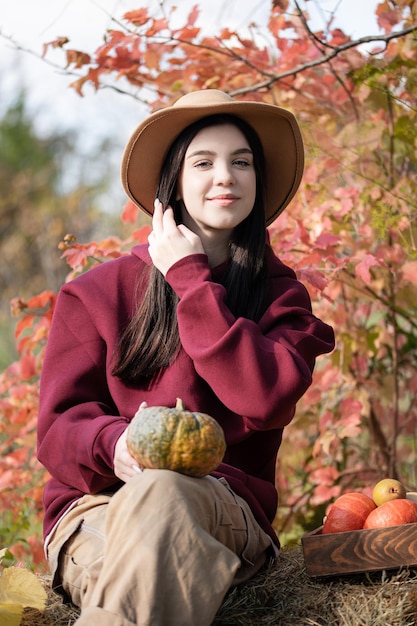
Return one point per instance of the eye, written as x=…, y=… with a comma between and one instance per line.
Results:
x=242, y=163
x=202, y=164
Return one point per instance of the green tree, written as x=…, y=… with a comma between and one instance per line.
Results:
x=35, y=212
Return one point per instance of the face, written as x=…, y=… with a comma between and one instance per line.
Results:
x=217, y=183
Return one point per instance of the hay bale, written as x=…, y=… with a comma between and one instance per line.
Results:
x=285, y=596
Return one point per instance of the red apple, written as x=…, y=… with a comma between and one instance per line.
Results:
x=392, y=513
x=348, y=512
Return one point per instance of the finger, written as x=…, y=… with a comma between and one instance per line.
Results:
x=186, y=232
x=157, y=217
x=168, y=221
x=192, y=238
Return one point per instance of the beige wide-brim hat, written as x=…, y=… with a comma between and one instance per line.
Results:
x=277, y=129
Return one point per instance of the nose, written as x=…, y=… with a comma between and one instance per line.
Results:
x=224, y=174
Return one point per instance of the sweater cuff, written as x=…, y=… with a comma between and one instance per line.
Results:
x=187, y=272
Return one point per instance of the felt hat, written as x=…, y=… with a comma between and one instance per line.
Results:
x=277, y=129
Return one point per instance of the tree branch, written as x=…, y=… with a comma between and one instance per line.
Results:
x=326, y=58
x=316, y=41
x=271, y=78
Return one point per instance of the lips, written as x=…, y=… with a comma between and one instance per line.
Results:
x=224, y=199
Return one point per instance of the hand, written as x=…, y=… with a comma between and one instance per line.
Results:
x=125, y=466
x=169, y=242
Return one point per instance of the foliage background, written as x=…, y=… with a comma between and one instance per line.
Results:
x=350, y=234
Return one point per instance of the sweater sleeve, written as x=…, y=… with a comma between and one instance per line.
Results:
x=78, y=422
x=257, y=370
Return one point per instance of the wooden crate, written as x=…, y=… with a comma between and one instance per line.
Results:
x=357, y=551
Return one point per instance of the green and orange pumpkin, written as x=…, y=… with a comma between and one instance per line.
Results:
x=191, y=443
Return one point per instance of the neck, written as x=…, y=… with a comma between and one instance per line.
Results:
x=217, y=256
x=215, y=241
x=216, y=248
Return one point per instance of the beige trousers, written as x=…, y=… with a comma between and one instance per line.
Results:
x=162, y=551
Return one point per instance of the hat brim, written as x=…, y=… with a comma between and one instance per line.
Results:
x=277, y=129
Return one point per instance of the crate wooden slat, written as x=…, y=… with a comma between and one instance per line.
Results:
x=335, y=554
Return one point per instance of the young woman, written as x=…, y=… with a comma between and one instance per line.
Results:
x=205, y=312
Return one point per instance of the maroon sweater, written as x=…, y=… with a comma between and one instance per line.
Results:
x=247, y=375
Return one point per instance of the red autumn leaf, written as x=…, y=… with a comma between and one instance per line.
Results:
x=387, y=17
x=193, y=15
x=157, y=26
x=7, y=479
x=324, y=493
x=130, y=212
x=338, y=37
x=59, y=42
x=325, y=475
x=41, y=300
x=326, y=240
x=314, y=277
x=141, y=235
x=280, y=4
x=92, y=75
x=363, y=267
x=79, y=84
x=113, y=39
x=77, y=256
x=23, y=324
x=137, y=17
x=110, y=246
x=409, y=271
x=151, y=58
x=27, y=366
x=187, y=34
x=77, y=58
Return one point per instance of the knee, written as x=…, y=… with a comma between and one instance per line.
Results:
x=163, y=481
x=162, y=490
x=153, y=483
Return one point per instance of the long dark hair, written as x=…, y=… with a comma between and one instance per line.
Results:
x=151, y=340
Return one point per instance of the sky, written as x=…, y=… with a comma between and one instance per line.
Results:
x=29, y=24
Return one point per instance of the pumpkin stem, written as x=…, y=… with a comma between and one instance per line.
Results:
x=179, y=406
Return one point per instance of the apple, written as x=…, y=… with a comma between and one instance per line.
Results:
x=392, y=513
x=348, y=512
x=388, y=489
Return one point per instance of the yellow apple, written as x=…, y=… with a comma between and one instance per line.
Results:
x=388, y=489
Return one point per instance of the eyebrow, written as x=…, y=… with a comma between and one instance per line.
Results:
x=211, y=152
